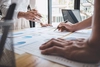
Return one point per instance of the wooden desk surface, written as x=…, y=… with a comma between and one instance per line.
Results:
x=28, y=60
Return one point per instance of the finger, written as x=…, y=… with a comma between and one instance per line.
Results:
x=32, y=18
x=53, y=50
x=48, y=41
x=59, y=28
x=61, y=40
x=39, y=15
x=52, y=43
x=81, y=39
x=36, y=13
x=66, y=27
x=34, y=10
x=65, y=42
x=63, y=28
x=41, y=47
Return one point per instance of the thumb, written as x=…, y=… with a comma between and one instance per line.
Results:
x=53, y=50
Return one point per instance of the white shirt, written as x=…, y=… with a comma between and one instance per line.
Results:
x=4, y=5
x=21, y=5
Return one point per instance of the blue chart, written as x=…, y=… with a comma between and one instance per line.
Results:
x=18, y=33
x=20, y=43
x=27, y=37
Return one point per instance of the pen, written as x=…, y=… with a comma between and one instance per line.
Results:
x=64, y=22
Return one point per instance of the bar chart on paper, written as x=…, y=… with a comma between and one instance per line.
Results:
x=30, y=43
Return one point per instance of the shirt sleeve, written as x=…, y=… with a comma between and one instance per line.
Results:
x=4, y=6
x=33, y=4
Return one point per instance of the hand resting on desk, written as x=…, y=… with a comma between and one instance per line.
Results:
x=76, y=50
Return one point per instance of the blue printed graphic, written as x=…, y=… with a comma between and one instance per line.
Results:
x=27, y=37
x=18, y=33
x=20, y=43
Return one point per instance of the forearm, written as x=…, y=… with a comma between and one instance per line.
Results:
x=4, y=6
x=83, y=24
x=95, y=36
x=21, y=14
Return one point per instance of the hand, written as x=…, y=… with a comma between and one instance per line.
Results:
x=45, y=25
x=35, y=11
x=66, y=26
x=30, y=15
x=76, y=50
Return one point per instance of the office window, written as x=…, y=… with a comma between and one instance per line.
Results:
x=57, y=6
x=86, y=8
x=42, y=7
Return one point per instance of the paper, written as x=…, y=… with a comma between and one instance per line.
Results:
x=30, y=43
x=19, y=51
x=80, y=34
x=37, y=35
x=34, y=49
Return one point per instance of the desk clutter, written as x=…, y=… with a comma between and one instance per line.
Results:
x=29, y=40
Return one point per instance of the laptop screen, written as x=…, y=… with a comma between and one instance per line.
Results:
x=71, y=15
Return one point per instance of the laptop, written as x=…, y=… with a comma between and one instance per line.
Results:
x=7, y=58
x=71, y=15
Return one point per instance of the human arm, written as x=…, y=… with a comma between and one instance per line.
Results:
x=94, y=39
x=29, y=15
x=74, y=27
x=76, y=50
x=81, y=50
x=4, y=5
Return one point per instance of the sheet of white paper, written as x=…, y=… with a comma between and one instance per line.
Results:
x=34, y=49
x=80, y=34
x=31, y=43
x=43, y=34
x=19, y=51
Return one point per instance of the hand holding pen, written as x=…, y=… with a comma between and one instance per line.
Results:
x=42, y=25
x=68, y=26
x=61, y=25
x=35, y=13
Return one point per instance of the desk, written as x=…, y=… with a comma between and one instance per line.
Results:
x=28, y=60
x=31, y=60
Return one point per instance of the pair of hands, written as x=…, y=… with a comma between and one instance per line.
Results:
x=76, y=50
x=32, y=15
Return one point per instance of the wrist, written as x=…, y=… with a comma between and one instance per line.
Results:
x=21, y=14
x=74, y=27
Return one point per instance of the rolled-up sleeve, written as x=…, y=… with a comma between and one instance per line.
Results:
x=4, y=5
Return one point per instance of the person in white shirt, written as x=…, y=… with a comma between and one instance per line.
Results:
x=21, y=15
